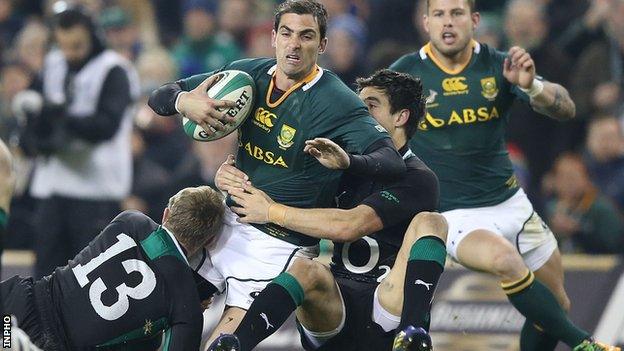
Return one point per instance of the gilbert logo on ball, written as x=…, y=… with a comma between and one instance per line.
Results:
x=232, y=85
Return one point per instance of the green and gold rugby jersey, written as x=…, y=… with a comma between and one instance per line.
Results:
x=462, y=138
x=272, y=139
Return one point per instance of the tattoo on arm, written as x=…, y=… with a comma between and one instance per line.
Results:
x=561, y=107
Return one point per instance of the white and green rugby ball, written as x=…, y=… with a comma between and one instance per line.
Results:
x=233, y=85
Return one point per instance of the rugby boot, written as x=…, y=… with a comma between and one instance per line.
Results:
x=412, y=339
x=591, y=345
x=225, y=342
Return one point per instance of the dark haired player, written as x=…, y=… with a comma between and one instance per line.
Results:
x=389, y=251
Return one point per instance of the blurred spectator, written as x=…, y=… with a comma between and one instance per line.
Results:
x=489, y=30
x=169, y=18
x=345, y=53
x=598, y=77
x=236, y=18
x=604, y=157
x=14, y=77
x=121, y=34
x=9, y=24
x=390, y=20
x=581, y=217
x=581, y=33
x=151, y=183
x=31, y=44
x=259, y=41
x=203, y=47
x=82, y=137
x=165, y=139
x=540, y=138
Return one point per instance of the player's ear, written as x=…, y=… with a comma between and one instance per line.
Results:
x=322, y=46
x=403, y=118
x=165, y=216
x=476, y=19
x=273, y=38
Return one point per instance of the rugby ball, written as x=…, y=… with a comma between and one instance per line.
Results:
x=233, y=85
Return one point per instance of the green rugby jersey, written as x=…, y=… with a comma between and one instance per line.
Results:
x=462, y=138
x=271, y=140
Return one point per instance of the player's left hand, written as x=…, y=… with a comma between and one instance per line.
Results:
x=253, y=204
x=328, y=153
x=519, y=68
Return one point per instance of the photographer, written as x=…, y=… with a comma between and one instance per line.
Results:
x=81, y=138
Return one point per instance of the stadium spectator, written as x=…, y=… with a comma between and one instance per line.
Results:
x=31, y=44
x=539, y=138
x=14, y=77
x=121, y=33
x=599, y=75
x=604, y=157
x=259, y=40
x=82, y=137
x=346, y=55
x=235, y=17
x=583, y=218
x=10, y=24
x=203, y=47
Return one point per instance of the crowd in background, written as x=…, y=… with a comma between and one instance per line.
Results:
x=573, y=172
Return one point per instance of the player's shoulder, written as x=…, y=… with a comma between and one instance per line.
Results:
x=135, y=222
x=407, y=63
x=416, y=168
x=490, y=54
x=328, y=89
x=253, y=66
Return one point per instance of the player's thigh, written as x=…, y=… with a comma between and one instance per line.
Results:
x=390, y=291
x=322, y=309
x=230, y=319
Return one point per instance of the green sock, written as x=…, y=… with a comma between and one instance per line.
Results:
x=538, y=304
x=532, y=339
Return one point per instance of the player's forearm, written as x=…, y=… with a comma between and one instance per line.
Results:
x=554, y=101
x=163, y=99
x=322, y=223
x=381, y=160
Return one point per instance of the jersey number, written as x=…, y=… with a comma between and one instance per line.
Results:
x=372, y=261
x=141, y=291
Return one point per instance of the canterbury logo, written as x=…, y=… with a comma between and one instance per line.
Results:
x=454, y=85
x=265, y=117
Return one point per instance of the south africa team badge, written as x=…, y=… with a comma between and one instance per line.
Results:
x=287, y=134
x=488, y=88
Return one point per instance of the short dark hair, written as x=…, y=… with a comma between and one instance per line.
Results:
x=196, y=216
x=72, y=17
x=303, y=7
x=471, y=4
x=404, y=92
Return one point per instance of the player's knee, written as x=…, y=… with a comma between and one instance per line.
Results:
x=506, y=263
x=428, y=223
x=310, y=274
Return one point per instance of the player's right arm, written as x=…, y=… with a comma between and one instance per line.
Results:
x=178, y=97
x=186, y=319
x=323, y=223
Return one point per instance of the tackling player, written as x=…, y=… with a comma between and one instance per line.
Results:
x=296, y=100
x=132, y=283
x=492, y=224
x=388, y=251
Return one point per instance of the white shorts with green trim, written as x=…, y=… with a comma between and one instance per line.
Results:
x=514, y=219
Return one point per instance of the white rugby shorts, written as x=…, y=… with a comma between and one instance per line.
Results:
x=514, y=219
x=244, y=260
